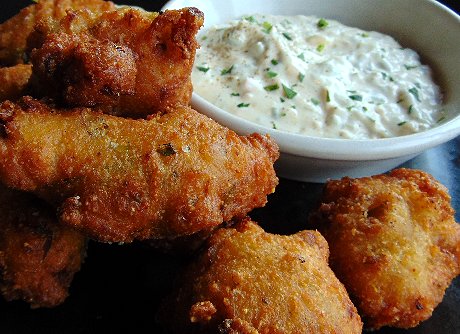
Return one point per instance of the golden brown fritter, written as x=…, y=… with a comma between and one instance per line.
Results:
x=120, y=179
x=38, y=258
x=15, y=31
x=13, y=81
x=249, y=281
x=125, y=62
x=394, y=244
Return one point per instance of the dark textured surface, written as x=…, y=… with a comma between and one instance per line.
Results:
x=120, y=286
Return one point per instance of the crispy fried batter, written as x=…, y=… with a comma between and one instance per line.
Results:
x=249, y=281
x=15, y=31
x=125, y=62
x=121, y=179
x=13, y=81
x=394, y=244
x=38, y=258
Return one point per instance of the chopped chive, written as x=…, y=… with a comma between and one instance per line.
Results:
x=328, y=97
x=250, y=19
x=226, y=70
x=409, y=110
x=282, y=100
x=202, y=69
x=410, y=67
x=287, y=36
x=301, y=56
x=267, y=27
x=414, y=92
x=364, y=109
x=274, y=125
x=274, y=62
x=402, y=123
x=243, y=105
x=315, y=101
x=441, y=119
x=270, y=88
x=356, y=97
x=301, y=76
x=320, y=48
x=271, y=74
x=289, y=92
x=364, y=34
x=204, y=38
x=322, y=23
x=235, y=94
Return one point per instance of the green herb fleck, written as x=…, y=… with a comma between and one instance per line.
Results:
x=356, y=97
x=441, y=119
x=287, y=36
x=282, y=100
x=267, y=27
x=274, y=62
x=271, y=74
x=364, y=34
x=364, y=109
x=328, y=97
x=166, y=150
x=235, y=94
x=410, y=67
x=402, y=123
x=320, y=48
x=270, y=88
x=315, y=101
x=202, y=69
x=322, y=23
x=301, y=56
x=243, y=105
x=410, y=109
x=204, y=38
x=301, y=76
x=274, y=125
x=289, y=92
x=250, y=19
x=414, y=92
x=226, y=70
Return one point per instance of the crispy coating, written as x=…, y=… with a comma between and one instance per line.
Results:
x=125, y=62
x=15, y=32
x=13, y=81
x=38, y=257
x=120, y=179
x=394, y=244
x=249, y=281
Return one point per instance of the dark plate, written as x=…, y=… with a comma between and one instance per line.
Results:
x=119, y=287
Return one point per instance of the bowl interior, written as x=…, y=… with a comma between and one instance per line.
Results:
x=423, y=25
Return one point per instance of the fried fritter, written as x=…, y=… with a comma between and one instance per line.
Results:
x=126, y=62
x=13, y=81
x=394, y=244
x=120, y=179
x=250, y=281
x=38, y=258
x=15, y=31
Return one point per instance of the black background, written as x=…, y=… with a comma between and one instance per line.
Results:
x=120, y=286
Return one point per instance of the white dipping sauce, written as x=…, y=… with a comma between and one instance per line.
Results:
x=316, y=77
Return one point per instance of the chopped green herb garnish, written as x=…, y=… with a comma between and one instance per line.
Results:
x=409, y=110
x=250, y=19
x=269, y=88
x=364, y=109
x=402, y=123
x=274, y=125
x=322, y=23
x=301, y=56
x=301, y=76
x=271, y=74
x=274, y=62
x=289, y=92
x=364, y=34
x=356, y=97
x=267, y=27
x=414, y=92
x=235, y=94
x=243, y=105
x=202, y=69
x=328, y=97
x=315, y=101
x=204, y=38
x=282, y=100
x=287, y=36
x=441, y=119
x=226, y=70
x=320, y=48
x=410, y=67
x=166, y=150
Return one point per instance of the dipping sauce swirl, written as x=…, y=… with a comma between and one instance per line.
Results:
x=316, y=77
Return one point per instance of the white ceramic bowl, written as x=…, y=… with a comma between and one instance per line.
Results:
x=426, y=26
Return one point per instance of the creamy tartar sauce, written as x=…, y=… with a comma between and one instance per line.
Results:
x=316, y=77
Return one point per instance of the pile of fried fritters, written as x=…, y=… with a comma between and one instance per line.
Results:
x=98, y=141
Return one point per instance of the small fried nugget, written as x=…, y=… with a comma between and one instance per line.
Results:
x=394, y=244
x=38, y=257
x=14, y=33
x=125, y=62
x=14, y=81
x=250, y=281
x=119, y=179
